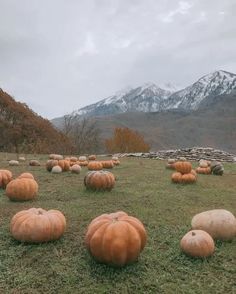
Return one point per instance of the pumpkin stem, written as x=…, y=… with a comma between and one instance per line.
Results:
x=193, y=234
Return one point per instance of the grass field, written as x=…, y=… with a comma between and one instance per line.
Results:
x=143, y=189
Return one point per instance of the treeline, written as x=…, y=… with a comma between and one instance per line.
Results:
x=22, y=130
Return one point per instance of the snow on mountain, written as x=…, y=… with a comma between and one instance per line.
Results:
x=151, y=98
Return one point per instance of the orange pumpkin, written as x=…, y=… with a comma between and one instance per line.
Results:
x=5, y=178
x=184, y=167
x=203, y=170
x=183, y=178
x=116, y=238
x=176, y=177
x=82, y=163
x=73, y=158
x=22, y=189
x=107, y=164
x=76, y=169
x=64, y=164
x=92, y=157
x=99, y=180
x=37, y=225
x=197, y=243
x=95, y=165
x=50, y=164
x=26, y=175
x=55, y=156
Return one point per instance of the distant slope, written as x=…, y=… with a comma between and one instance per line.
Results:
x=23, y=130
x=213, y=124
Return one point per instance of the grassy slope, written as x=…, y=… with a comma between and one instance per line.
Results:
x=144, y=190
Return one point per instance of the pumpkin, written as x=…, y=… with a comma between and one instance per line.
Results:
x=34, y=162
x=82, y=158
x=56, y=169
x=37, y=225
x=176, y=177
x=203, y=170
x=219, y=223
x=194, y=173
x=182, y=158
x=64, y=164
x=183, y=178
x=26, y=175
x=75, y=169
x=107, y=164
x=203, y=163
x=22, y=158
x=5, y=178
x=217, y=168
x=92, y=157
x=99, y=180
x=170, y=165
x=50, y=164
x=55, y=156
x=82, y=163
x=73, y=159
x=95, y=165
x=116, y=238
x=184, y=167
x=14, y=163
x=171, y=160
x=116, y=162
x=114, y=158
x=22, y=189
x=197, y=243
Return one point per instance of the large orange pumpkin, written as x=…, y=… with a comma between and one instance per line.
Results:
x=22, y=189
x=183, y=167
x=5, y=178
x=99, y=180
x=37, y=225
x=197, y=243
x=107, y=164
x=95, y=165
x=64, y=164
x=116, y=238
x=176, y=177
x=183, y=178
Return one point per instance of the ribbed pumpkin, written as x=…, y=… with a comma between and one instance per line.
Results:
x=50, y=164
x=99, y=180
x=73, y=158
x=183, y=178
x=176, y=177
x=82, y=158
x=34, y=162
x=76, y=169
x=22, y=189
x=107, y=164
x=5, y=178
x=55, y=156
x=64, y=164
x=203, y=170
x=26, y=175
x=22, y=158
x=95, y=165
x=14, y=163
x=183, y=167
x=82, y=163
x=92, y=157
x=217, y=168
x=56, y=169
x=203, y=163
x=37, y=225
x=219, y=223
x=115, y=239
x=197, y=243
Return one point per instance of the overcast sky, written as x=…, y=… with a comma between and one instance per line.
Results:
x=58, y=55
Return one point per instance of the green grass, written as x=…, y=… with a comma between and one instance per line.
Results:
x=143, y=189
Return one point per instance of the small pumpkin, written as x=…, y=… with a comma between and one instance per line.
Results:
x=34, y=162
x=219, y=223
x=107, y=164
x=82, y=158
x=26, y=175
x=50, y=164
x=22, y=189
x=82, y=163
x=92, y=157
x=184, y=167
x=73, y=159
x=217, y=168
x=183, y=178
x=176, y=177
x=115, y=239
x=197, y=243
x=56, y=169
x=203, y=163
x=95, y=165
x=182, y=158
x=55, y=156
x=37, y=225
x=64, y=164
x=22, y=158
x=99, y=180
x=14, y=163
x=76, y=169
x=5, y=177
x=114, y=158
x=203, y=170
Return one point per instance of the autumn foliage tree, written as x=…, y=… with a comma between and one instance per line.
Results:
x=126, y=140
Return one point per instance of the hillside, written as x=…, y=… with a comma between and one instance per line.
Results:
x=22, y=130
x=213, y=124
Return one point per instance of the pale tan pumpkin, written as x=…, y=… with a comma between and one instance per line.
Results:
x=55, y=156
x=76, y=169
x=197, y=243
x=50, y=164
x=115, y=239
x=56, y=169
x=5, y=177
x=99, y=180
x=37, y=225
x=34, y=162
x=219, y=223
x=14, y=163
x=82, y=158
x=95, y=165
x=203, y=163
x=92, y=157
x=22, y=189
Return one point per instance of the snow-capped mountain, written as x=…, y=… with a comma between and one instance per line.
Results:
x=146, y=98
x=151, y=98
x=214, y=84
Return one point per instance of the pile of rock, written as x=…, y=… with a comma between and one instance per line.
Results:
x=192, y=154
